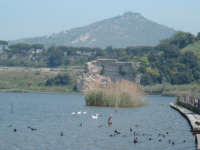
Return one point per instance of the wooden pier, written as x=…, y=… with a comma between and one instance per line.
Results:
x=193, y=118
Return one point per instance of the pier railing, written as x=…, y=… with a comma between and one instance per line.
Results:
x=190, y=102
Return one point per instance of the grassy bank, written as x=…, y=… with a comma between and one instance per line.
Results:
x=119, y=94
x=21, y=79
x=172, y=90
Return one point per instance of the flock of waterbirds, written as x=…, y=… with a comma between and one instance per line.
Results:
x=149, y=137
x=133, y=132
x=28, y=127
x=137, y=136
x=94, y=116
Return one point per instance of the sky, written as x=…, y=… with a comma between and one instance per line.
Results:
x=30, y=18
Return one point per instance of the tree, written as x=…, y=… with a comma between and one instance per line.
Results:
x=59, y=80
x=171, y=51
x=55, y=58
x=180, y=40
x=182, y=78
x=190, y=59
x=37, y=46
x=146, y=79
x=109, y=48
x=196, y=75
x=3, y=42
x=198, y=36
x=20, y=48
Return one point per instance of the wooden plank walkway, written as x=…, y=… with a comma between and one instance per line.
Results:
x=198, y=141
x=193, y=118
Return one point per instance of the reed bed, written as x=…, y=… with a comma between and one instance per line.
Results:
x=119, y=94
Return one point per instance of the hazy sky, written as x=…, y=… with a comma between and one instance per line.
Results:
x=29, y=18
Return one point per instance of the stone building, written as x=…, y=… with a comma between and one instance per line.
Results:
x=107, y=70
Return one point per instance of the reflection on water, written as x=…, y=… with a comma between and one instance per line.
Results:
x=156, y=125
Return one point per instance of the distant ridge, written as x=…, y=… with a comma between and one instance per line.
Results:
x=129, y=29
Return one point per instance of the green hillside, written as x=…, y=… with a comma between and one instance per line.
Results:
x=172, y=67
x=194, y=47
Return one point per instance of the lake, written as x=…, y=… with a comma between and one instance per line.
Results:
x=156, y=124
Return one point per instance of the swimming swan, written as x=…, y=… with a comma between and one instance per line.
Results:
x=73, y=113
x=79, y=112
x=95, y=116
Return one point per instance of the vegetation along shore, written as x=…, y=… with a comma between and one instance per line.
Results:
x=170, y=68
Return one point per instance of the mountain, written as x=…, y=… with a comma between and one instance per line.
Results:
x=129, y=29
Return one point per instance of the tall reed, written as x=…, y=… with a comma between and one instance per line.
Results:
x=119, y=94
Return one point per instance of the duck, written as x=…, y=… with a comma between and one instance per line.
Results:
x=32, y=129
x=61, y=133
x=116, y=132
x=111, y=135
x=173, y=143
x=135, y=140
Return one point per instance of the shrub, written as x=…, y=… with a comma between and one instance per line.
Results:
x=59, y=80
x=119, y=94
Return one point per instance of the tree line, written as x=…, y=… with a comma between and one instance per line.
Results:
x=159, y=64
x=169, y=64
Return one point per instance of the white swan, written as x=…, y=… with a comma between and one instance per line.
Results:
x=79, y=112
x=95, y=116
x=84, y=112
x=73, y=113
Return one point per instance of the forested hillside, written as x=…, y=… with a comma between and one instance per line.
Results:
x=171, y=63
x=175, y=60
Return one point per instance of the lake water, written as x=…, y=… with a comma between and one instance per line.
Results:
x=51, y=114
